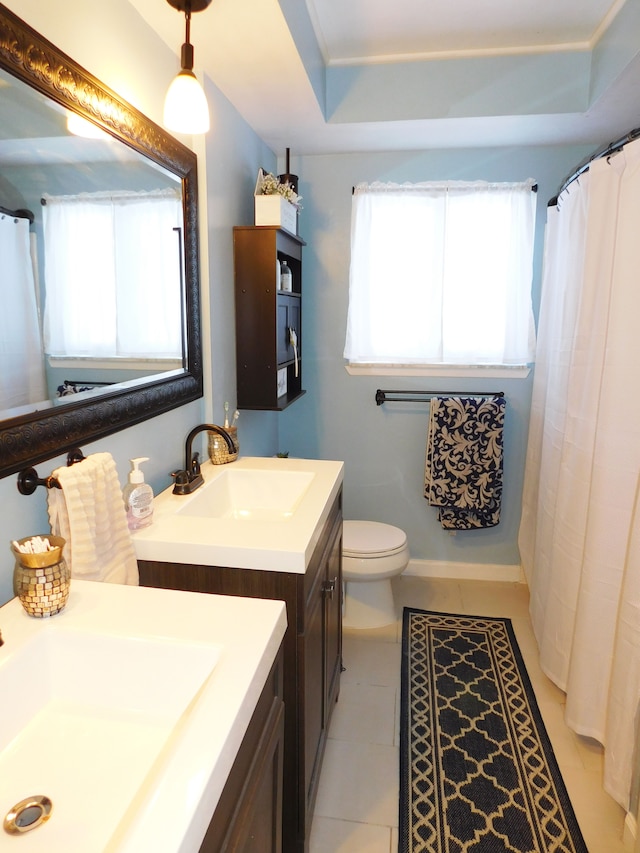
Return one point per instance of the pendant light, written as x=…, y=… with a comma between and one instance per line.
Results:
x=185, y=106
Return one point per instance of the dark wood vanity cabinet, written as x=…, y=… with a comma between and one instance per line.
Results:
x=321, y=658
x=248, y=818
x=269, y=375
x=312, y=649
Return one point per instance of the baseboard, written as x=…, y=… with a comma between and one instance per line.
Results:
x=465, y=571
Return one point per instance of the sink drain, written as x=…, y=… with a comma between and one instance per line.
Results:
x=27, y=814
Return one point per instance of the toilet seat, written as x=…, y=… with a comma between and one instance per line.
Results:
x=372, y=539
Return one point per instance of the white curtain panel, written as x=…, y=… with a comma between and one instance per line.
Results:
x=441, y=273
x=22, y=379
x=621, y=756
x=583, y=458
x=112, y=274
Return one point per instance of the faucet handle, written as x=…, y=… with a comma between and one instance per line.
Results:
x=182, y=483
x=181, y=478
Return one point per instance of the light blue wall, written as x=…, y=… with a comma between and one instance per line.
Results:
x=383, y=447
x=233, y=155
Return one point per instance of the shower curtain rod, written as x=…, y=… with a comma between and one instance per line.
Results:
x=611, y=148
x=425, y=396
x=22, y=213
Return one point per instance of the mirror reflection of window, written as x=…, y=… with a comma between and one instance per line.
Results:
x=38, y=155
x=22, y=379
x=111, y=265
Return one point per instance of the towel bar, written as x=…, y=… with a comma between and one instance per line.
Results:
x=28, y=480
x=425, y=396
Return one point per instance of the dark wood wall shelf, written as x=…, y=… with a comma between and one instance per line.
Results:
x=264, y=315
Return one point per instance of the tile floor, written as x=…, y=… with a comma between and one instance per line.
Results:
x=357, y=805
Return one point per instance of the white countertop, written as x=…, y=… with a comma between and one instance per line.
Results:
x=171, y=808
x=284, y=545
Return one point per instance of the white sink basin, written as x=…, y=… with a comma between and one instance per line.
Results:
x=127, y=710
x=84, y=718
x=262, y=513
x=250, y=494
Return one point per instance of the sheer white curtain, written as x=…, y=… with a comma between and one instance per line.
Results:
x=22, y=375
x=112, y=273
x=580, y=528
x=441, y=273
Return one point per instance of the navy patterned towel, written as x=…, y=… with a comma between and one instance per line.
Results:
x=463, y=470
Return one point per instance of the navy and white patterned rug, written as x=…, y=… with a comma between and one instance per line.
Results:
x=477, y=770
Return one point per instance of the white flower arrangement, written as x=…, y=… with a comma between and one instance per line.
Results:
x=268, y=184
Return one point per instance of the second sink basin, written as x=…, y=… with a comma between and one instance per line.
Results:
x=252, y=494
x=85, y=719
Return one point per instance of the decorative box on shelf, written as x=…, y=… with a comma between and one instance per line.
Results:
x=276, y=210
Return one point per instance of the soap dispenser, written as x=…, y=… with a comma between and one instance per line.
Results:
x=138, y=497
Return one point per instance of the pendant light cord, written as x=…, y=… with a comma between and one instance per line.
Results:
x=187, y=17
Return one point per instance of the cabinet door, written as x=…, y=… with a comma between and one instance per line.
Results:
x=333, y=623
x=248, y=817
x=314, y=690
x=322, y=655
x=259, y=827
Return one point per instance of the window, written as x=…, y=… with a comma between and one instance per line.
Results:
x=112, y=275
x=441, y=274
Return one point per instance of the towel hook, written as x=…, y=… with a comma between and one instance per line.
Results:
x=28, y=480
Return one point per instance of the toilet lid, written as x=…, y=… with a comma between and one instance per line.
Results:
x=371, y=538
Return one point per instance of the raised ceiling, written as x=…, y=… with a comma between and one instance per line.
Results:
x=326, y=76
x=371, y=31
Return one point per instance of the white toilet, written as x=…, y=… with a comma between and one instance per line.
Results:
x=372, y=554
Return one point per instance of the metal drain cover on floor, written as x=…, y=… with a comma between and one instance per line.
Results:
x=27, y=814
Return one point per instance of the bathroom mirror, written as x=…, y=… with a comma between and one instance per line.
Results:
x=59, y=87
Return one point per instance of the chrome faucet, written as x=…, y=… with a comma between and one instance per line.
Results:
x=188, y=480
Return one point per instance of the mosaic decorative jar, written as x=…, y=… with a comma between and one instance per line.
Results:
x=218, y=448
x=41, y=581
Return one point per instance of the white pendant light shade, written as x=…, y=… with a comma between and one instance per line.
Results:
x=185, y=106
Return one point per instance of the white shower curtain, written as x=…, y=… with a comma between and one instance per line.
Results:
x=580, y=529
x=22, y=379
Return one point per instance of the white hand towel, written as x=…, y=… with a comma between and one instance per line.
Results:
x=88, y=511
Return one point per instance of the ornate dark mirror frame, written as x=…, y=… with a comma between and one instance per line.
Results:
x=41, y=435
